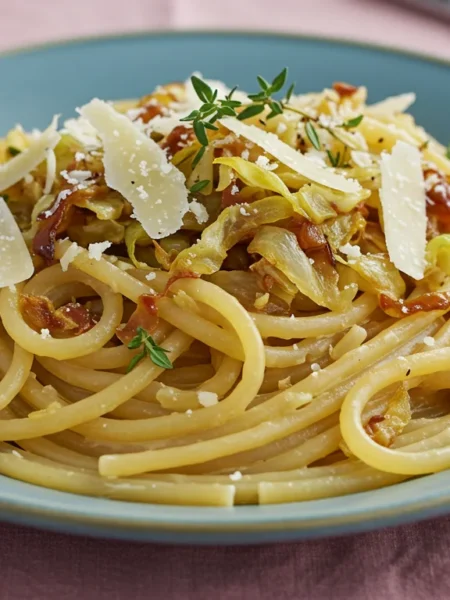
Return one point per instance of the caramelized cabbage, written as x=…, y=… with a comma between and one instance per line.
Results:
x=106, y=209
x=245, y=286
x=233, y=224
x=438, y=252
x=340, y=230
x=275, y=281
x=318, y=282
x=375, y=272
x=257, y=177
x=386, y=428
x=97, y=231
x=135, y=234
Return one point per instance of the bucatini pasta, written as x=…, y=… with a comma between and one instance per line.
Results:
x=214, y=298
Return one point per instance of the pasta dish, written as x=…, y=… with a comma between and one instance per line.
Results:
x=211, y=297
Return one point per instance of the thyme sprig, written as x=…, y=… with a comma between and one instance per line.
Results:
x=149, y=348
x=214, y=108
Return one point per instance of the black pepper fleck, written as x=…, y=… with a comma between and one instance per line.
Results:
x=408, y=372
x=381, y=140
x=133, y=182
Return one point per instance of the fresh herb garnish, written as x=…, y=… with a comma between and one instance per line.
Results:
x=334, y=158
x=199, y=186
x=149, y=348
x=447, y=154
x=353, y=122
x=5, y=197
x=14, y=151
x=214, y=108
x=313, y=137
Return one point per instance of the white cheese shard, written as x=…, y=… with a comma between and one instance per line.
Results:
x=199, y=211
x=51, y=172
x=392, y=105
x=83, y=132
x=290, y=157
x=72, y=251
x=127, y=150
x=15, y=260
x=18, y=167
x=361, y=159
x=96, y=249
x=207, y=398
x=351, y=251
x=403, y=202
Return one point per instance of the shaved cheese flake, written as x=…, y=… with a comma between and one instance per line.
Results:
x=83, y=132
x=128, y=149
x=15, y=260
x=392, y=105
x=199, y=211
x=72, y=251
x=96, y=249
x=18, y=167
x=403, y=200
x=51, y=172
x=290, y=157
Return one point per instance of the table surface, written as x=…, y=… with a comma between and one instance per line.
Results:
x=407, y=562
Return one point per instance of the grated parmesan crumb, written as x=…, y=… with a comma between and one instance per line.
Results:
x=207, y=398
x=96, y=250
x=150, y=276
x=284, y=384
x=429, y=341
x=350, y=251
x=315, y=367
x=261, y=301
x=245, y=154
x=45, y=333
x=264, y=163
x=236, y=476
x=199, y=211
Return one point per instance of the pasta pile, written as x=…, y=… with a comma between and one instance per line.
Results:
x=199, y=308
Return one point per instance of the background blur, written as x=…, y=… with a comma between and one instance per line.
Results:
x=33, y=21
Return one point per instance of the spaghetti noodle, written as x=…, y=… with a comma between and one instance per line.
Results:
x=235, y=299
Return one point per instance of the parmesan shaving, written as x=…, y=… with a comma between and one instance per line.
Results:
x=18, y=167
x=15, y=260
x=290, y=157
x=157, y=193
x=403, y=202
x=96, y=250
x=51, y=172
x=392, y=105
x=72, y=251
x=199, y=211
x=83, y=132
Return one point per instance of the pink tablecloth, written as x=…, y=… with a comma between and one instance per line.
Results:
x=404, y=563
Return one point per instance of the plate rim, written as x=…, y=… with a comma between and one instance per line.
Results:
x=24, y=49
x=61, y=513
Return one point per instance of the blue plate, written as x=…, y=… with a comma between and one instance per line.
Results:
x=36, y=83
